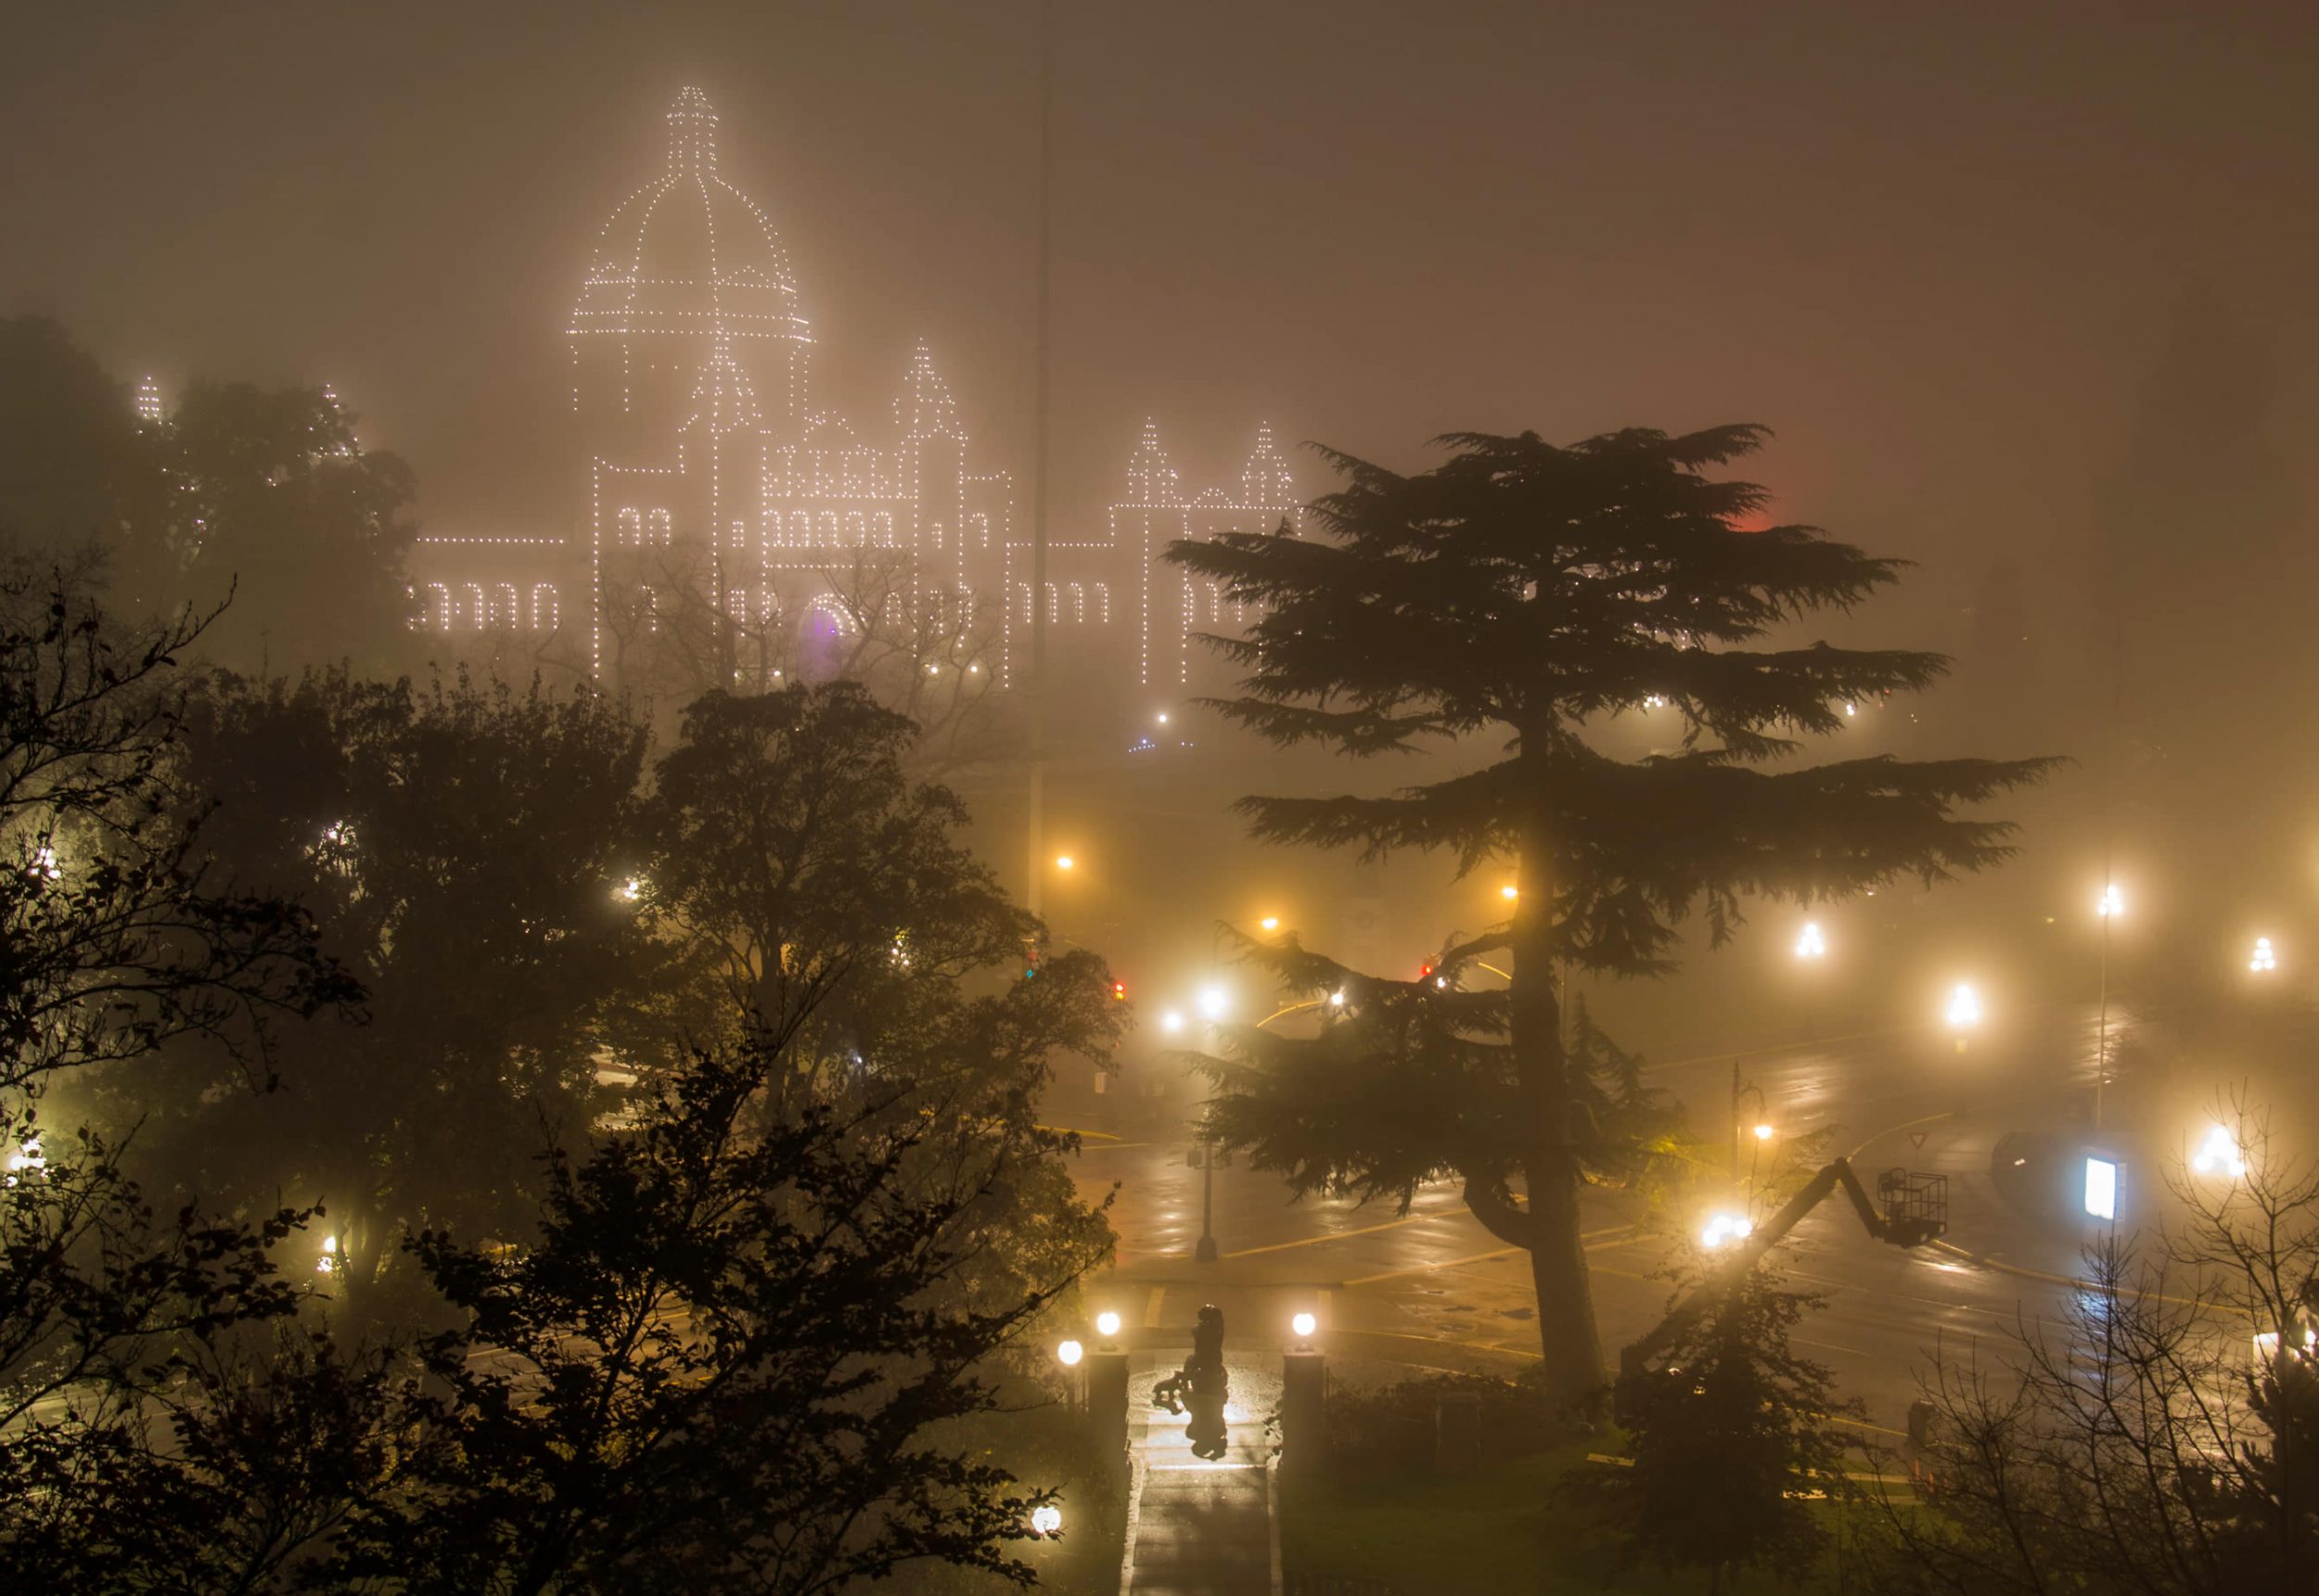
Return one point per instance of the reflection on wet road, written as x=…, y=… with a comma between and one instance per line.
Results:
x=1432, y=1287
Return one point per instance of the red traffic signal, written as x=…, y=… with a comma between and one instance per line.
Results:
x=1119, y=991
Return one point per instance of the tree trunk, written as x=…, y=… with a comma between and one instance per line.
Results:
x=1557, y=1260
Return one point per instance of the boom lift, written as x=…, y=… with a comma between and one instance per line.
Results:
x=1910, y=1210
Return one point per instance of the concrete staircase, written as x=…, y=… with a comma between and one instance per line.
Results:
x=1197, y=1528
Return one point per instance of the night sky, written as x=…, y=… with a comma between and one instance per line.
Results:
x=1941, y=250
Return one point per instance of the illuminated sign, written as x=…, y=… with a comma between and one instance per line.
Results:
x=2101, y=1188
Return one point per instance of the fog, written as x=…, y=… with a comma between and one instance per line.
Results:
x=2021, y=294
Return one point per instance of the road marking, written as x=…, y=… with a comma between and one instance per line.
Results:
x=1372, y=1229
x=1895, y=1130
x=1075, y=1131
x=1446, y=1341
x=1331, y=1236
x=2092, y=1286
x=1151, y=1306
x=1776, y=1047
x=1483, y=1257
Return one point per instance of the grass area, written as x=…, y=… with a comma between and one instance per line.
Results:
x=1499, y=1532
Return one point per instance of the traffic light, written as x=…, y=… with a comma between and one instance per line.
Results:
x=1425, y=972
x=1119, y=991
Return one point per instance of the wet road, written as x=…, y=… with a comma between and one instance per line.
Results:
x=1434, y=1289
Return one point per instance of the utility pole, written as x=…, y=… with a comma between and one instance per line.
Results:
x=1735, y=1121
x=2101, y=1025
x=1205, y=1251
x=1035, y=699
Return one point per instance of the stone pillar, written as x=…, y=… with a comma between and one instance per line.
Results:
x=1107, y=1406
x=1303, y=1410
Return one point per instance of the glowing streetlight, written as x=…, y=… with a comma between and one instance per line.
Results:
x=1851, y=709
x=1303, y=1325
x=1509, y=892
x=1336, y=999
x=2267, y=1345
x=330, y=1261
x=1964, y=1007
x=1064, y=862
x=1215, y=1003
x=1045, y=1520
x=1721, y=1229
x=1107, y=1324
x=26, y=1162
x=1269, y=922
x=2113, y=902
x=1163, y=717
x=2219, y=1153
x=1764, y=1134
x=1172, y=1022
x=1068, y=1354
x=2262, y=960
x=1810, y=944
x=630, y=890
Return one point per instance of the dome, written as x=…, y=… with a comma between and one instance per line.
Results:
x=690, y=254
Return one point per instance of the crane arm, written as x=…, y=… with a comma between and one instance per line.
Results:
x=1836, y=1175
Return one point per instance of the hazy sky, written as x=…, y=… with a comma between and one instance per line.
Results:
x=1936, y=247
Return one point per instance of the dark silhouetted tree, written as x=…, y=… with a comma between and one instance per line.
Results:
x=818, y=892
x=804, y=868
x=2136, y=1441
x=271, y=496
x=115, y=941
x=1523, y=594
x=75, y=475
x=1728, y=1442
x=463, y=847
x=730, y=1360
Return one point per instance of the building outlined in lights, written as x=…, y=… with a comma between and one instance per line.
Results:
x=1170, y=605
x=713, y=487
x=713, y=484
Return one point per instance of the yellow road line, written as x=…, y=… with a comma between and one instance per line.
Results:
x=1331, y=1236
x=1075, y=1131
x=1429, y=1268
x=1483, y=1257
x=1445, y=1341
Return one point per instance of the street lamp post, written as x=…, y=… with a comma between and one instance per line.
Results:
x=2111, y=906
x=1739, y=1092
x=1205, y=1251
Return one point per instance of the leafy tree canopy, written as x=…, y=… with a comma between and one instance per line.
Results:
x=1525, y=593
x=1527, y=590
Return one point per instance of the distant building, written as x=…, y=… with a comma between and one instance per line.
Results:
x=717, y=494
x=1168, y=604
x=714, y=483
